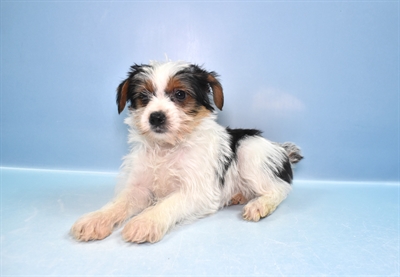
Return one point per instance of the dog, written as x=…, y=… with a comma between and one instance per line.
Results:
x=182, y=164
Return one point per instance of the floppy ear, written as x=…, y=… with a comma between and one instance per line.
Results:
x=216, y=87
x=125, y=89
x=122, y=95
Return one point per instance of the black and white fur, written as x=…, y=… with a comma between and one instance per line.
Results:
x=183, y=165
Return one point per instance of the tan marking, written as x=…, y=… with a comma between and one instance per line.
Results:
x=218, y=94
x=124, y=96
x=149, y=86
x=202, y=112
x=238, y=199
x=146, y=87
x=174, y=83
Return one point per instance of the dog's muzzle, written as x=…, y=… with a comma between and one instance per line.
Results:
x=157, y=121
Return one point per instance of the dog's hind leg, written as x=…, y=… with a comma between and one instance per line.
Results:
x=265, y=204
x=265, y=175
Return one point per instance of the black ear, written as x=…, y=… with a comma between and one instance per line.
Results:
x=216, y=87
x=122, y=95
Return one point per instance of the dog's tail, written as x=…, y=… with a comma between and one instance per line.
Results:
x=293, y=152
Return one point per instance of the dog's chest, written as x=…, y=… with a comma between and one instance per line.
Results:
x=165, y=170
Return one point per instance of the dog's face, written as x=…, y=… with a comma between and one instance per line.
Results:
x=168, y=100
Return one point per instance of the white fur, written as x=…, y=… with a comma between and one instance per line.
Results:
x=176, y=176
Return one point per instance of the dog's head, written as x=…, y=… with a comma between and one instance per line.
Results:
x=168, y=100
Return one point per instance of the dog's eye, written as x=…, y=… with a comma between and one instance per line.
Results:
x=144, y=96
x=180, y=95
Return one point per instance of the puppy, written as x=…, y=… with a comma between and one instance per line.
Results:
x=182, y=164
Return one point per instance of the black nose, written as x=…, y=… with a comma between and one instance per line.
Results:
x=157, y=119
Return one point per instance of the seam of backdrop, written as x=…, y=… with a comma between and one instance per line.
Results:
x=115, y=173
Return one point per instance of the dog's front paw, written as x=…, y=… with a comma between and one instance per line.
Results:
x=143, y=229
x=93, y=226
x=257, y=209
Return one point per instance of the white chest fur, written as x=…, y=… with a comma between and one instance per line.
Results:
x=192, y=163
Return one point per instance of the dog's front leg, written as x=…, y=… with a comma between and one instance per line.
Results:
x=100, y=224
x=154, y=222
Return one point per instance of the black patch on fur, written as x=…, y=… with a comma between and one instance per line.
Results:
x=236, y=136
x=285, y=173
x=197, y=79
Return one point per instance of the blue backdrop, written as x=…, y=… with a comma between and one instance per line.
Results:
x=322, y=74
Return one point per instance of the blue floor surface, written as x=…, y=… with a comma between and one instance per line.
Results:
x=321, y=229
